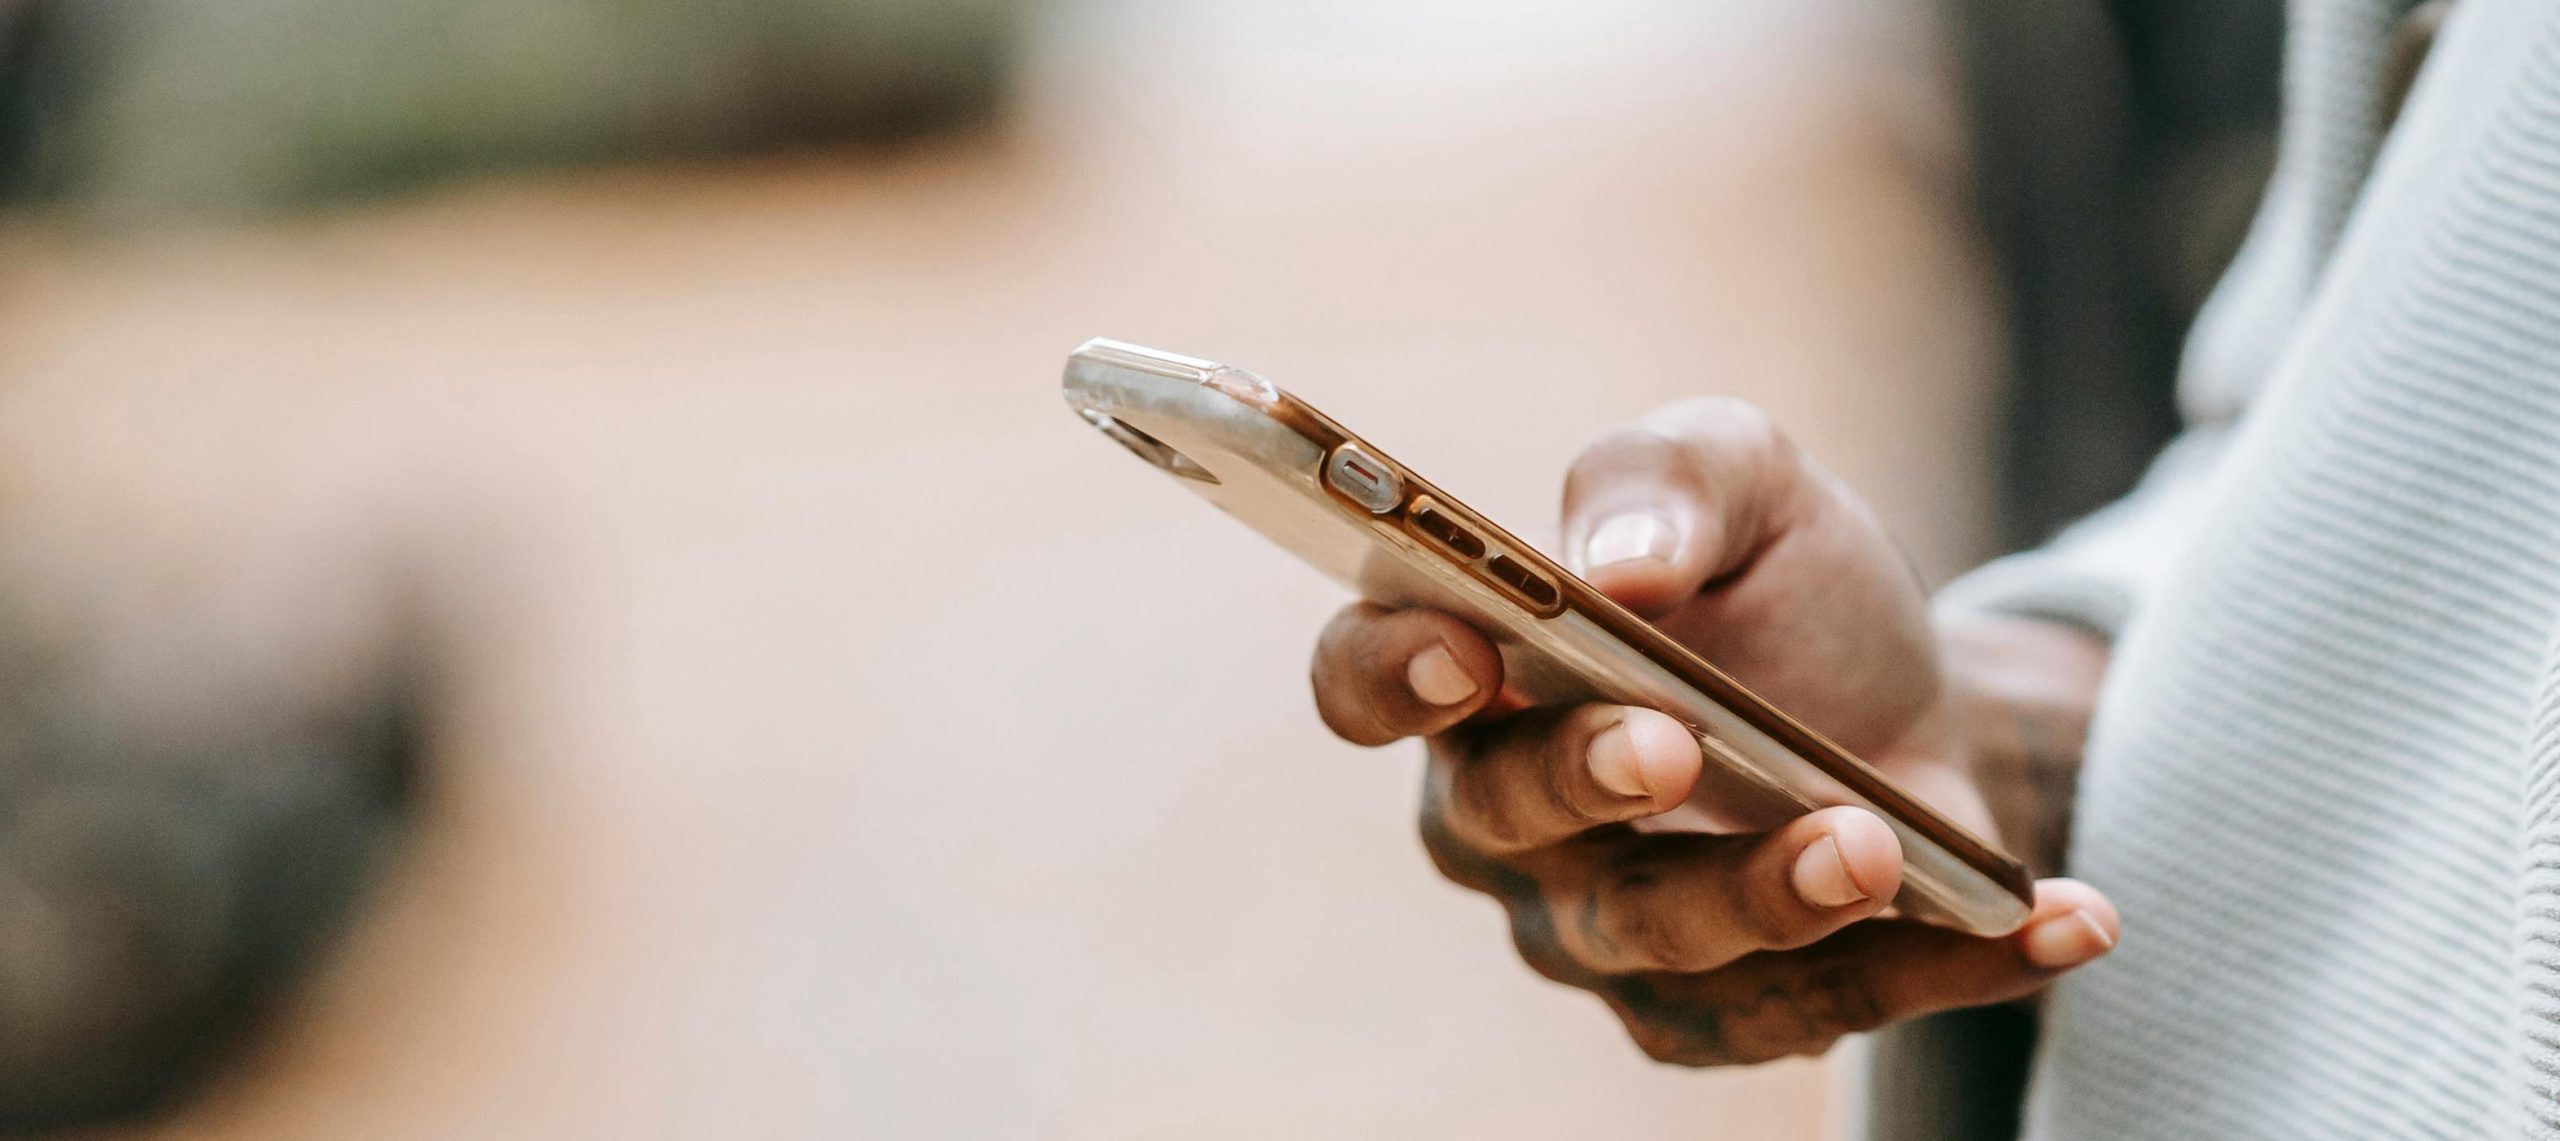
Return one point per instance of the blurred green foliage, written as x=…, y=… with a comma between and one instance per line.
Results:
x=135, y=109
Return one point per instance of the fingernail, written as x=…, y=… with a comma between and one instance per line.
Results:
x=1822, y=876
x=1627, y=538
x=2067, y=940
x=1614, y=762
x=1437, y=678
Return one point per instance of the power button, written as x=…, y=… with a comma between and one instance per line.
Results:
x=1364, y=478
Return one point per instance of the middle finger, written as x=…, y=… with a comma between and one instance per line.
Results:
x=1633, y=902
x=1538, y=778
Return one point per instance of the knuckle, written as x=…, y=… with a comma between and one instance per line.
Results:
x=1347, y=717
x=1618, y=444
x=1461, y=862
x=1767, y=909
x=1456, y=862
x=1529, y=792
x=1768, y=922
x=1671, y=1042
x=1533, y=938
x=1451, y=858
x=1342, y=696
x=1451, y=855
x=1563, y=776
x=1763, y=610
x=1848, y=1003
x=1638, y=931
x=1666, y=1029
x=1734, y=420
x=1660, y=1044
x=1342, y=723
x=1651, y=943
x=1453, y=869
x=1341, y=634
x=1735, y=430
x=1492, y=820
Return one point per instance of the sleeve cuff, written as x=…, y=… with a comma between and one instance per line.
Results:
x=2033, y=585
x=2097, y=573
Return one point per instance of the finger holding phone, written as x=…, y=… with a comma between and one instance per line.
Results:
x=1726, y=948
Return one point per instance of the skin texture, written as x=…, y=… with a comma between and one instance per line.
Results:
x=1735, y=949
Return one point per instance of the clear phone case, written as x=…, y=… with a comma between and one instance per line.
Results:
x=1348, y=509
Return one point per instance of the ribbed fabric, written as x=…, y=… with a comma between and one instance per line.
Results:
x=2324, y=785
x=2538, y=932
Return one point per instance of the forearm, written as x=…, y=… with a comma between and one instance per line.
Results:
x=2022, y=691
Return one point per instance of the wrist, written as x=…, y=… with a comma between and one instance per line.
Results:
x=2019, y=692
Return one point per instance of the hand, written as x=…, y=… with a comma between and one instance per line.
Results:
x=1714, y=949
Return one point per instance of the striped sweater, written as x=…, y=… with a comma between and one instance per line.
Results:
x=2324, y=782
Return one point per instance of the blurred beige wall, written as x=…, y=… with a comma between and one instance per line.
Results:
x=841, y=740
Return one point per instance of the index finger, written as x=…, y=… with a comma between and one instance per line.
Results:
x=1381, y=675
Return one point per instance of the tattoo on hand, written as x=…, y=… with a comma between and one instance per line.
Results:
x=2027, y=764
x=1744, y=1015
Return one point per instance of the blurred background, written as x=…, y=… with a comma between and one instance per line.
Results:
x=545, y=588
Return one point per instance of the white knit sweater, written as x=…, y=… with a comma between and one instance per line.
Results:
x=2324, y=785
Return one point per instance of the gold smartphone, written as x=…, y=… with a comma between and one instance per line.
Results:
x=1350, y=510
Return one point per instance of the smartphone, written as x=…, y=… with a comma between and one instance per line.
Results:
x=1353, y=512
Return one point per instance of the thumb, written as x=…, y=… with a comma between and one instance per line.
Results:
x=1659, y=511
